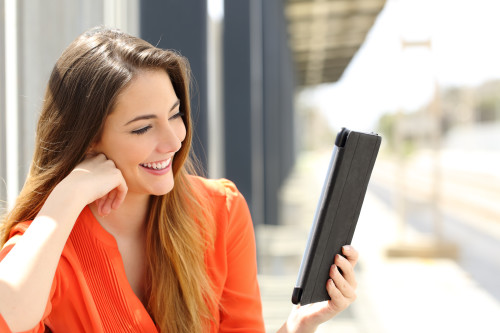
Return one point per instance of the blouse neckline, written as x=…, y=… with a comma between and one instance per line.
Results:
x=137, y=308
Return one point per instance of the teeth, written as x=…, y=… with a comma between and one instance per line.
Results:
x=157, y=166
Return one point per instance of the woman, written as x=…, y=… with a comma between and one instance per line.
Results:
x=100, y=239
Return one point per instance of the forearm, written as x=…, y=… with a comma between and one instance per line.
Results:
x=27, y=272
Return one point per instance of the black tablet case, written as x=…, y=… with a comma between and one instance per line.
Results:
x=337, y=213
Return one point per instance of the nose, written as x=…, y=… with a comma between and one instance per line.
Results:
x=171, y=138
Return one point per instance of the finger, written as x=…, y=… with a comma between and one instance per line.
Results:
x=347, y=270
x=106, y=207
x=120, y=193
x=100, y=205
x=351, y=254
x=338, y=301
x=111, y=199
x=341, y=283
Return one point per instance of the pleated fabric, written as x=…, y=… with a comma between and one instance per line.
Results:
x=91, y=293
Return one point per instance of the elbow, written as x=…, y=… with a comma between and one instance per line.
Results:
x=20, y=314
x=21, y=321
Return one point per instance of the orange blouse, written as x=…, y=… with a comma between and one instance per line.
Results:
x=91, y=293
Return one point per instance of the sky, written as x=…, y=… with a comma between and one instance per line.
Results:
x=383, y=77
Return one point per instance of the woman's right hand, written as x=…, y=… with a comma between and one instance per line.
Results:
x=98, y=179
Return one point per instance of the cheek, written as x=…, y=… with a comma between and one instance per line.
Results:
x=180, y=130
x=127, y=153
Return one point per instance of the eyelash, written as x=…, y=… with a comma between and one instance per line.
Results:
x=142, y=130
x=177, y=115
x=147, y=128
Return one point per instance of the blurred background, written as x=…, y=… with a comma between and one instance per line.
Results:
x=274, y=81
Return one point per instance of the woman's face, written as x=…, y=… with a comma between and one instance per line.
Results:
x=144, y=132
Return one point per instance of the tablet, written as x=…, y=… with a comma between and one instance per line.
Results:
x=337, y=212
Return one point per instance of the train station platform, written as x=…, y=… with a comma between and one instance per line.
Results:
x=395, y=295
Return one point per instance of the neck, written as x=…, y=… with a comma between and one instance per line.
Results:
x=129, y=219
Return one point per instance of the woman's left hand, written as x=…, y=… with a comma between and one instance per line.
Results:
x=342, y=290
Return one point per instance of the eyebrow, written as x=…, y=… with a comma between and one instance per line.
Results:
x=151, y=116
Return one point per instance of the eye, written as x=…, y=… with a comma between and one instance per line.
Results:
x=177, y=115
x=142, y=130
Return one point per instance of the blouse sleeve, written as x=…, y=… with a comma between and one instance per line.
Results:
x=241, y=308
x=40, y=327
x=3, y=325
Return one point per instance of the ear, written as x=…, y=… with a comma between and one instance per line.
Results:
x=92, y=151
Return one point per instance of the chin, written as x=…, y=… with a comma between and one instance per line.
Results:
x=163, y=190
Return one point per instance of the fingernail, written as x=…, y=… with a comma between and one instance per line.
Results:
x=346, y=248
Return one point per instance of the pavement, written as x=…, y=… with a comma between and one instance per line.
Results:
x=395, y=295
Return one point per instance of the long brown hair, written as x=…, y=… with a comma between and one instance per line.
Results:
x=81, y=93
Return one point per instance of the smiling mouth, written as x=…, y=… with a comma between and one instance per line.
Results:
x=157, y=165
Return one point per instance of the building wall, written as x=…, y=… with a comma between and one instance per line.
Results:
x=244, y=163
x=259, y=116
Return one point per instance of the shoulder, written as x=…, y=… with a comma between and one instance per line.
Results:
x=18, y=230
x=217, y=190
x=14, y=235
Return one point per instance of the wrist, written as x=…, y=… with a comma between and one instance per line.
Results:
x=68, y=194
x=61, y=206
x=297, y=326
